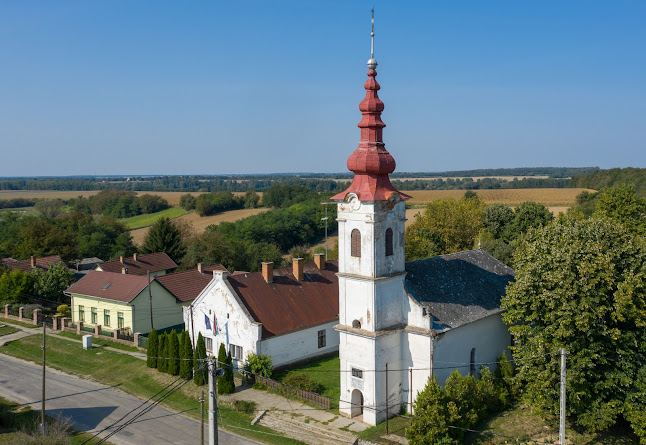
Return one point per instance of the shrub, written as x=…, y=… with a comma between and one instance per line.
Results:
x=151, y=361
x=226, y=384
x=245, y=406
x=186, y=354
x=199, y=372
x=258, y=365
x=28, y=311
x=63, y=310
x=302, y=381
x=162, y=351
x=173, y=353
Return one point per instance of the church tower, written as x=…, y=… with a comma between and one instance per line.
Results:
x=371, y=218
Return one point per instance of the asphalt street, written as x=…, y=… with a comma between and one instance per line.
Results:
x=92, y=406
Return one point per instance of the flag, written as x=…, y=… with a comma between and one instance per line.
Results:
x=207, y=322
x=215, y=325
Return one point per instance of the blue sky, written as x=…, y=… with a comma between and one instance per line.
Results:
x=210, y=87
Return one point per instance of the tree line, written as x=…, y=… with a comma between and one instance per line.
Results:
x=612, y=178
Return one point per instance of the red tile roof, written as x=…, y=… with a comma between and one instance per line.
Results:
x=152, y=262
x=187, y=285
x=25, y=265
x=109, y=286
x=288, y=305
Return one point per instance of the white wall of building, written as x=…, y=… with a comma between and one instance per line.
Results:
x=489, y=336
x=300, y=345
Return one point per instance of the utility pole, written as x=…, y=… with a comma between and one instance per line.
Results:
x=326, y=220
x=213, y=404
x=42, y=409
x=202, y=421
x=150, y=302
x=387, y=432
x=562, y=419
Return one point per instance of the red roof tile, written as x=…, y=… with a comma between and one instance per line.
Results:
x=152, y=262
x=109, y=285
x=187, y=285
x=25, y=265
x=288, y=305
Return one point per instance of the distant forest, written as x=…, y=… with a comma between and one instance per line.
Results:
x=556, y=177
x=613, y=177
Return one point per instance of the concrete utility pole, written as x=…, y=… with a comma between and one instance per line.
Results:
x=150, y=302
x=326, y=220
x=213, y=403
x=202, y=421
x=42, y=409
x=562, y=420
x=387, y=429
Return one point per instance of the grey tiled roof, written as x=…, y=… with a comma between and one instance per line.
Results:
x=458, y=288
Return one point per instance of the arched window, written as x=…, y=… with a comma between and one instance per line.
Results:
x=472, y=362
x=389, y=242
x=355, y=243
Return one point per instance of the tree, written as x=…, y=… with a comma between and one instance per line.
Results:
x=53, y=282
x=16, y=286
x=529, y=214
x=173, y=353
x=251, y=199
x=446, y=226
x=152, y=203
x=199, y=371
x=41, y=237
x=225, y=383
x=50, y=208
x=187, y=202
x=151, y=355
x=301, y=252
x=259, y=365
x=186, y=354
x=162, y=351
x=579, y=285
x=163, y=236
x=623, y=205
x=496, y=218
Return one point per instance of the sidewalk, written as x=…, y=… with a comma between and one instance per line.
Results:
x=270, y=401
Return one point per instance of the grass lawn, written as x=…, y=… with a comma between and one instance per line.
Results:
x=17, y=323
x=396, y=426
x=17, y=420
x=139, y=221
x=102, y=342
x=325, y=372
x=131, y=375
x=5, y=330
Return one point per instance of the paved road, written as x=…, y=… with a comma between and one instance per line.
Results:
x=92, y=406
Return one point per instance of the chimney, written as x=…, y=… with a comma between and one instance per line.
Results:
x=220, y=274
x=121, y=259
x=268, y=272
x=319, y=260
x=199, y=267
x=134, y=257
x=124, y=270
x=33, y=262
x=297, y=268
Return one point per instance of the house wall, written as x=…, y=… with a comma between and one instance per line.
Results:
x=113, y=306
x=234, y=325
x=166, y=312
x=300, y=345
x=489, y=336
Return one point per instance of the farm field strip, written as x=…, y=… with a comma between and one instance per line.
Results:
x=550, y=197
x=200, y=223
x=430, y=178
x=149, y=219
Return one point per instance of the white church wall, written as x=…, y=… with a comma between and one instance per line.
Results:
x=359, y=353
x=452, y=349
x=416, y=353
x=356, y=302
x=388, y=302
x=388, y=390
x=300, y=345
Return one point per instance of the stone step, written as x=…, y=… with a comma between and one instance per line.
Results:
x=310, y=433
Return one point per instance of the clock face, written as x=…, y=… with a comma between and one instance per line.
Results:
x=354, y=202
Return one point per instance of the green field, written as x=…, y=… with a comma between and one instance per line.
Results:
x=139, y=221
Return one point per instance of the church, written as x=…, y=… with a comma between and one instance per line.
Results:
x=402, y=323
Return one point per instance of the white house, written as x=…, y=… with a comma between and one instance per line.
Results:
x=288, y=313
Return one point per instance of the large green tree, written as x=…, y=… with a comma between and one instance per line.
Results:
x=445, y=226
x=163, y=236
x=580, y=286
x=622, y=204
x=16, y=286
x=53, y=282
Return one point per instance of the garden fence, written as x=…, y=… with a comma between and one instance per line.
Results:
x=308, y=396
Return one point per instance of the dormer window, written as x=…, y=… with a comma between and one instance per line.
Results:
x=389, y=242
x=355, y=243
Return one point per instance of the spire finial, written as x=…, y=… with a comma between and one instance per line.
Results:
x=372, y=63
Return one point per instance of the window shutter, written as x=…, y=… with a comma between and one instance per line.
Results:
x=355, y=243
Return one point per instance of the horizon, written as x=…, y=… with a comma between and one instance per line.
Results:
x=109, y=89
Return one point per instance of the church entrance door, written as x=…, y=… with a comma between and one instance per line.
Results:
x=357, y=403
